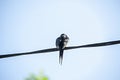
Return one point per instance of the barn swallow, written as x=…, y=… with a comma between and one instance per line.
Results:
x=61, y=43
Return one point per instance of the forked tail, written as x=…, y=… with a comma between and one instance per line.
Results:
x=61, y=56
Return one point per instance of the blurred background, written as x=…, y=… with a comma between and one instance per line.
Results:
x=29, y=25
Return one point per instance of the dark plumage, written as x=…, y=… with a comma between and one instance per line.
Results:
x=61, y=43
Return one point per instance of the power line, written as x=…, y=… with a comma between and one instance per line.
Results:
x=67, y=48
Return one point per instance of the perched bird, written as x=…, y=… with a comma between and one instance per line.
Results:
x=61, y=43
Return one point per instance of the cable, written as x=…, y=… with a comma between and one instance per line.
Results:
x=67, y=48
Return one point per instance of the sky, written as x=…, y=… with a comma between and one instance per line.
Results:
x=29, y=25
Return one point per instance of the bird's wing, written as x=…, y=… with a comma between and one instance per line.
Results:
x=58, y=40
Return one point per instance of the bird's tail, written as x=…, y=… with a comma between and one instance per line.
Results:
x=61, y=56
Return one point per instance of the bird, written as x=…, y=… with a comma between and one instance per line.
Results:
x=61, y=43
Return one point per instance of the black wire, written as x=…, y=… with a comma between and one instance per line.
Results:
x=95, y=44
x=67, y=48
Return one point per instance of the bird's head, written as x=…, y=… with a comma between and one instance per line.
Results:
x=63, y=36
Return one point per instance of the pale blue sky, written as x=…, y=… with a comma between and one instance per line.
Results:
x=28, y=25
